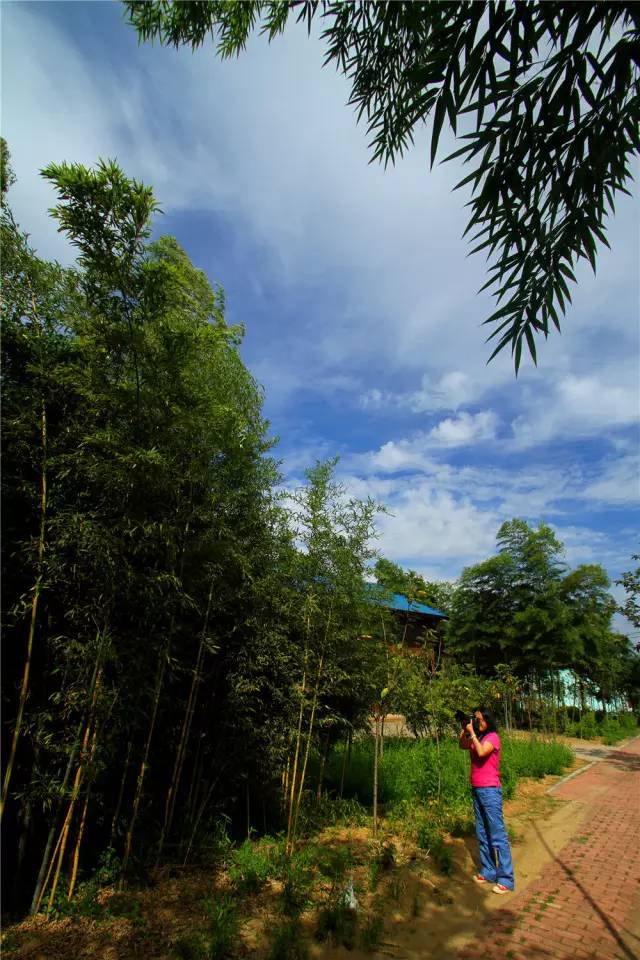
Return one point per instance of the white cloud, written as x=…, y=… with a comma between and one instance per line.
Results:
x=580, y=406
x=465, y=429
x=453, y=390
x=619, y=483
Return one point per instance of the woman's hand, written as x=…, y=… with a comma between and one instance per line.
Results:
x=469, y=729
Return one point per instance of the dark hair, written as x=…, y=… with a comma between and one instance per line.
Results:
x=489, y=719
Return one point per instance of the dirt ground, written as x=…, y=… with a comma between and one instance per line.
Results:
x=425, y=914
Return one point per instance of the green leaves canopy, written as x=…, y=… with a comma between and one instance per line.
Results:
x=545, y=98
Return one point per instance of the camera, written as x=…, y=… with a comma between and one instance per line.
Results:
x=465, y=718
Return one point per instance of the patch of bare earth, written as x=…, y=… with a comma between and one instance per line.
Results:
x=425, y=913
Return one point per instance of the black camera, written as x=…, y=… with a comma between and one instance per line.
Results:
x=465, y=718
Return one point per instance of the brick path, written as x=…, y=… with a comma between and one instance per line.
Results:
x=585, y=905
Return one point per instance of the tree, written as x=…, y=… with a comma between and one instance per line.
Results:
x=631, y=583
x=544, y=96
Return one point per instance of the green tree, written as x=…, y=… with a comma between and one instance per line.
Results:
x=544, y=97
x=136, y=459
x=631, y=583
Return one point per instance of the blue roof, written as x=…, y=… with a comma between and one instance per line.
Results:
x=397, y=601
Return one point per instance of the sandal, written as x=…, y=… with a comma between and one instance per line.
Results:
x=500, y=888
x=479, y=878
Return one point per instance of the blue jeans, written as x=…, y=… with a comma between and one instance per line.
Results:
x=495, y=852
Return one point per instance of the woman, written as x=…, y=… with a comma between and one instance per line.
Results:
x=496, y=866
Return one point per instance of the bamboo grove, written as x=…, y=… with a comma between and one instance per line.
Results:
x=182, y=640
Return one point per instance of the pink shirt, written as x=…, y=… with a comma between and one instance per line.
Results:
x=485, y=771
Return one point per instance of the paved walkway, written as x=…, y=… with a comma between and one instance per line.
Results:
x=586, y=903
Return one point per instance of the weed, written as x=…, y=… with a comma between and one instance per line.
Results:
x=337, y=923
x=190, y=948
x=374, y=874
x=297, y=880
x=397, y=886
x=416, y=905
x=224, y=928
x=371, y=932
x=430, y=838
x=333, y=863
x=286, y=942
x=249, y=868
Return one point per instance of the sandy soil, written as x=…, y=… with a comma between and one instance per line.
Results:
x=425, y=914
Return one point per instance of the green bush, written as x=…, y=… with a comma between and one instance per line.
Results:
x=286, y=942
x=419, y=770
x=371, y=932
x=249, y=867
x=224, y=928
x=429, y=838
x=296, y=874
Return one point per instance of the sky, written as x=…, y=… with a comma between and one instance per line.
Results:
x=353, y=283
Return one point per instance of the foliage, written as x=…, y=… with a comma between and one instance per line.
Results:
x=431, y=839
x=423, y=771
x=631, y=583
x=535, y=92
x=249, y=868
x=286, y=942
x=371, y=930
x=224, y=924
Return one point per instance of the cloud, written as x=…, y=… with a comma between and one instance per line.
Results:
x=580, y=406
x=619, y=483
x=454, y=389
x=465, y=429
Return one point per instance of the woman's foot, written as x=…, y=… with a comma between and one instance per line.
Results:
x=479, y=878
x=500, y=888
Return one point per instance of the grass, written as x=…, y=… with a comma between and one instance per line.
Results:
x=419, y=770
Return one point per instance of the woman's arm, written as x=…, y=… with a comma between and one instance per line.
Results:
x=464, y=741
x=484, y=748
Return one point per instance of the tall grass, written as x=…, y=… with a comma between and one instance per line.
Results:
x=419, y=770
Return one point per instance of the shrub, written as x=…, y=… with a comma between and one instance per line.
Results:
x=337, y=923
x=224, y=928
x=249, y=868
x=286, y=942
x=297, y=880
x=371, y=932
x=429, y=838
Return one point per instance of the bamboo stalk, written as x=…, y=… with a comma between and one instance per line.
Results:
x=176, y=776
x=294, y=772
x=83, y=821
x=116, y=814
x=314, y=703
x=64, y=834
x=164, y=652
x=375, y=777
x=24, y=688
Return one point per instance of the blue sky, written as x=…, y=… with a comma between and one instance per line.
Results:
x=353, y=283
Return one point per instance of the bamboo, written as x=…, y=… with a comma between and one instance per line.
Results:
x=58, y=853
x=314, y=703
x=344, y=763
x=64, y=834
x=35, y=900
x=375, y=776
x=323, y=761
x=116, y=814
x=294, y=772
x=164, y=652
x=176, y=776
x=24, y=688
x=83, y=821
